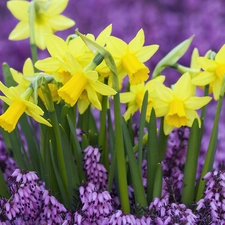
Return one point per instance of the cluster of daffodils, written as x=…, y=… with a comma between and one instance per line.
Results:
x=110, y=169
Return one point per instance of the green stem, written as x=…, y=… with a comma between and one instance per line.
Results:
x=33, y=46
x=191, y=163
x=210, y=155
x=121, y=165
x=157, y=190
x=162, y=140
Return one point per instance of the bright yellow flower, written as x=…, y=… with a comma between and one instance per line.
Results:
x=213, y=73
x=17, y=106
x=134, y=98
x=129, y=58
x=47, y=19
x=83, y=83
x=177, y=104
x=58, y=49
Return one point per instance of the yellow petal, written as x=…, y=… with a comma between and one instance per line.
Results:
x=102, y=37
x=137, y=42
x=6, y=91
x=101, y=88
x=60, y=22
x=93, y=97
x=167, y=128
x=194, y=63
x=130, y=111
x=19, y=9
x=164, y=93
x=40, y=31
x=161, y=108
x=207, y=64
x=73, y=62
x=49, y=64
x=203, y=78
x=127, y=97
x=216, y=89
x=56, y=7
x=195, y=103
x=20, y=32
x=192, y=115
x=116, y=46
x=220, y=56
x=183, y=87
x=146, y=52
x=6, y=100
x=28, y=68
x=82, y=105
x=56, y=46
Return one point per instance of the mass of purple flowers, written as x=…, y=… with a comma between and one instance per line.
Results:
x=30, y=203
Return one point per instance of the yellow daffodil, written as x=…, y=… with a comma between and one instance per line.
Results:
x=83, y=83
x=177, y=104
x=213, y=73
x=134, y=98
x=129, y=58
x=58, y=49
x=47, y=19
x=17, y=106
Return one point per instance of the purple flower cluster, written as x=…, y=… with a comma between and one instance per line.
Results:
x=96, y=172
x=212, y=206
x=30, y=203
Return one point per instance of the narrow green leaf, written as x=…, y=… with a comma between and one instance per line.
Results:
x=141, y=129
x=4, y=191
x=188, y=188
x=172, y=57
x=157, y=189
x=162, y=141
x=152, y=155
x=139, y=192
x=8, y=79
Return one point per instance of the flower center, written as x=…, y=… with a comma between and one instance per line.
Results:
x=136, y=70
x=176, y=116
x=72, y=90
x=220, y=71
x=9, y=119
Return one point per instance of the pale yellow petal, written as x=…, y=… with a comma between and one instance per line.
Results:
x=6, y=100
x=137, y=42
x=216, y=89
x=167, y=128
x=40, y=31
x=195, y=103
x=6, y=91
x=48, y=65
x=20, y=32
x=82, y=105
x=130, y=111
x=161, y=108
x=206, y=64
x=56, y=46
x=164, y=93
x=203, y=78
x=28, y=68
x=73, y=62
x=183, y=87
x=146, y=52
x=56, y=7
x=127, y=97
x=102, y=37
x=19, y=9
x=116, y=46
x=191, y=114
x=93, y=97
x=194, y=63
x=220, y=56
x=101, y=88
x=60, y=22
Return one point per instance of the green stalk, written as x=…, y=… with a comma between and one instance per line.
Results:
x=141, y=130
x=102, y=133
x=162, y=141
x=191, y=163
x=210, y=155
x=32, y=33
x=121, y=165
x=152, y=155
x=157, y=189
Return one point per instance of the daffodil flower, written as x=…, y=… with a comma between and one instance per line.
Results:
x=130, y=58
x=84, y=83
x=213, y=73
x=177, y=104
x=134, y=98
x=18, y=104
x=58, y=49
x=47, y=19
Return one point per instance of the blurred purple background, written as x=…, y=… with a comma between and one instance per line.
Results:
x=165, y=22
